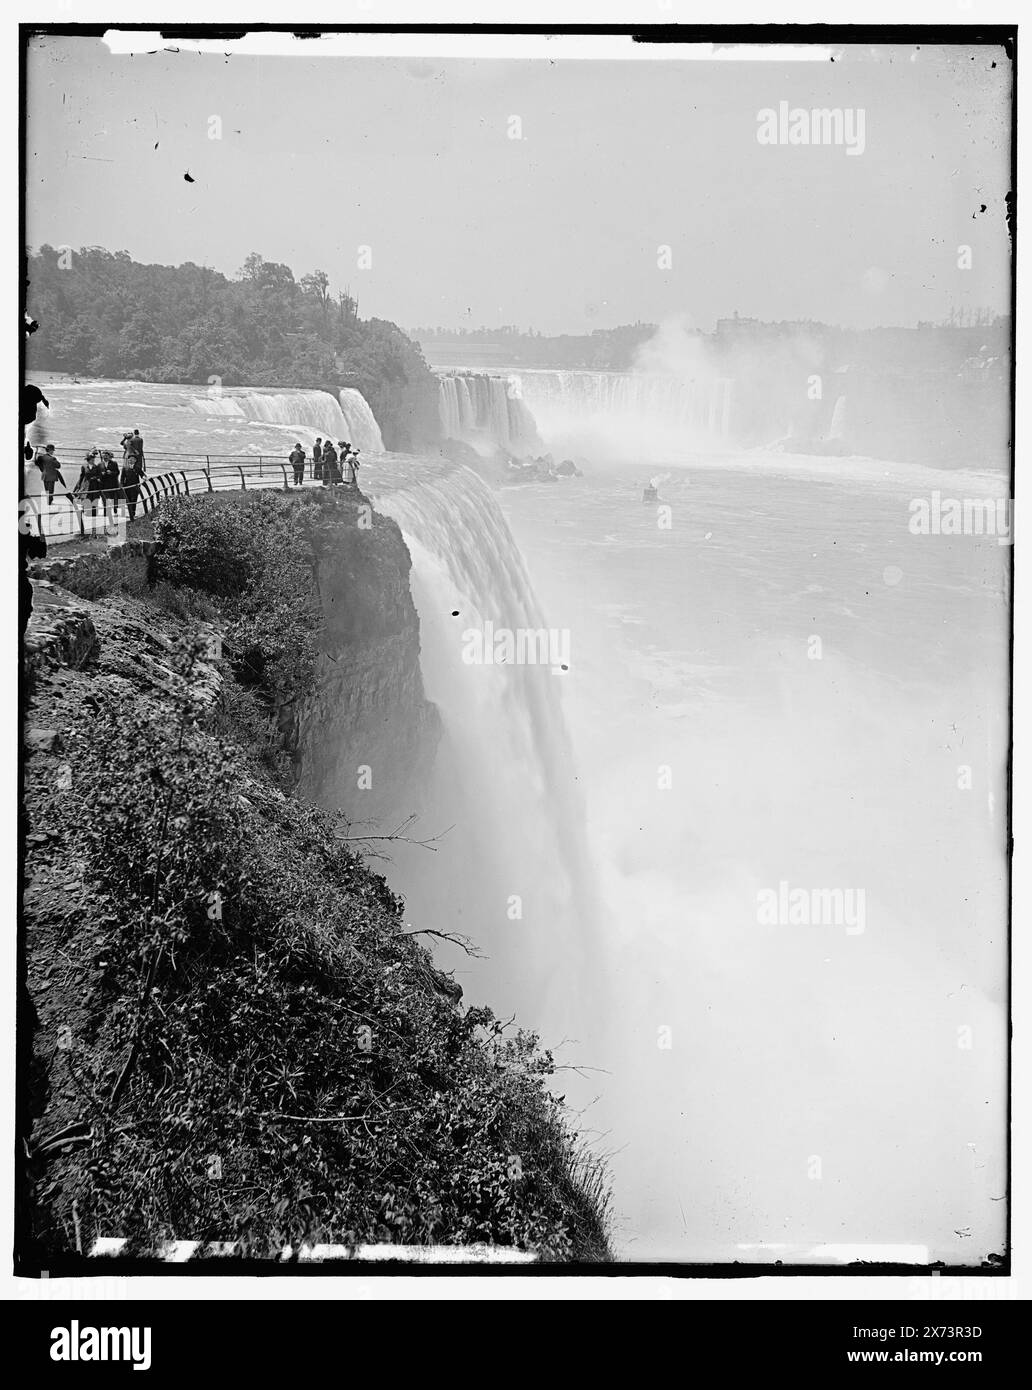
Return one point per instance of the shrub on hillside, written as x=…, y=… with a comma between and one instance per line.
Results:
x=255, y=556
x=273, y=1059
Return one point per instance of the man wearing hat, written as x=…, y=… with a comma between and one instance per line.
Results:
x=49, y=467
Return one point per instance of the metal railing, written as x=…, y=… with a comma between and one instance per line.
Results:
x=167, y=458
x=89, y=516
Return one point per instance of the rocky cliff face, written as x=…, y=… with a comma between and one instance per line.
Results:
x=364, y=739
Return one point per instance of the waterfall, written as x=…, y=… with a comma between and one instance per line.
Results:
x=361, y=428
x=527, y=412
x=449, y=408
x=486, y=410
x=230, y=420
x=570, y=397
x=347, y=418
x=315, y=410
x=509, y=781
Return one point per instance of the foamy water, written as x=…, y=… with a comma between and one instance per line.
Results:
x=814, y=1083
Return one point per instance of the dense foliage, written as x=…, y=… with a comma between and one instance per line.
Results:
x=103, y=314
x=239, y=1038
x=257, y=556
x=274, y=1063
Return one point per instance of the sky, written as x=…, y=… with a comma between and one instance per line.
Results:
x=563, y=229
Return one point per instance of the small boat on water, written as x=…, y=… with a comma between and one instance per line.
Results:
x=651, y=494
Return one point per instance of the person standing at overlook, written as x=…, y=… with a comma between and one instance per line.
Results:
x=329, y=464
x=297, y=460
x=92, y=480
x=354, y=466
x=110, y=482
x=51, y=472
x=130, y=481
x=136, y=450
x=317, y=459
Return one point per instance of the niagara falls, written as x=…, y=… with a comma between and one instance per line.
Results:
x=516, y=668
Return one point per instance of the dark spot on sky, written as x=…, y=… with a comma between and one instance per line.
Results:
x=455, y=612
x=189, y=177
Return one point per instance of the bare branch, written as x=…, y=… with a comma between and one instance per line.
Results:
x=398, y=833
x=456, y=938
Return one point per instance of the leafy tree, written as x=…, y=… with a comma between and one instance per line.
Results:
x=105, y=314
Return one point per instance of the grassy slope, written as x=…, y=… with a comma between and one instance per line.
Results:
x=233, y=1035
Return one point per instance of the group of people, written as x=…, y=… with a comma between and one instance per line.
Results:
x=328, y=465
x=101, y=483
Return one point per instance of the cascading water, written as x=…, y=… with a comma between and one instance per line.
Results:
x=362, y=430
x=515, y=866
x=565, y=403
x=652, y=414
x=485, y=410
x=188, y=419
x=315, y=410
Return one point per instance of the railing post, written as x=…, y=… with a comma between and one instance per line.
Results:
x=207, y=474
x=243, y=480
x=284, y=467
x=186, y=482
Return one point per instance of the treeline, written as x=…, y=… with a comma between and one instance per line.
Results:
x=102, y=314
x=604, y=349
